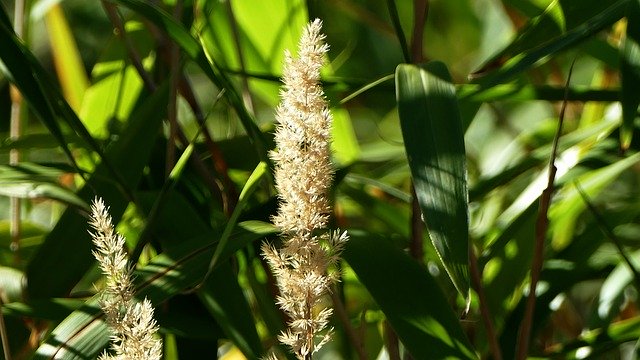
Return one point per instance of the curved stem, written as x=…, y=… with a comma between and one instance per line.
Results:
x=542, y=224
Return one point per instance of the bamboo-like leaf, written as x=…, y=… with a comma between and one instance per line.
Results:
x=28, y=180
x=433, y=140
x=409, y=297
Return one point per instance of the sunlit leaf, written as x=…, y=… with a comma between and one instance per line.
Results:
x=69, y=66
x=433, y=139
x=423, y=320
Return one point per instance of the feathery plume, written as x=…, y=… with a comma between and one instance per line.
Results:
x=132, y=323
x=303, y=175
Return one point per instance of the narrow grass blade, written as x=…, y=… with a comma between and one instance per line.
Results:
x=519, y=58
x=434, y=142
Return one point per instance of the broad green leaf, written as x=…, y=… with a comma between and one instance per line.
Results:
x=42, y=95
x=344, y=145
x=630, y=73
x=69, y=66
x=109, y=100
x=264, y=30
x=130, y=155
x=434, y=142
x=220, y=294
x=30, y=189
x=409, y=297
x=89, y=335
x=249, y=188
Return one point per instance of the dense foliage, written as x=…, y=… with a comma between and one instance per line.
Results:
x=481, y=149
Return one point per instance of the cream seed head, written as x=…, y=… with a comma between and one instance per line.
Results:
x=132, y=323
x=303, y=175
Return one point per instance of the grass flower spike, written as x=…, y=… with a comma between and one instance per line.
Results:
x=132, y=323
x=303, y=175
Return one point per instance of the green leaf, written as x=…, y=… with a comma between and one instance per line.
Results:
x=28, y=180
x=409, y=297
x=47, y=309
x=42, y=95
x=630, y=73
x=69, y=66
x=434, y=142
x=612, y=292
x=116, y=84
x=11, y=283
x=345, y=144
x=21, y=67
x=249, y=188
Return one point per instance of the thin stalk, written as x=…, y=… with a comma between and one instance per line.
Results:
x=395, y=19
x=476, y=277
x=420, y=13
x=391, y=342
x=246, y=91
x=542, y=224
x=356, y=340
x=227, y=190
x=114, y=17
x=172, y=108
